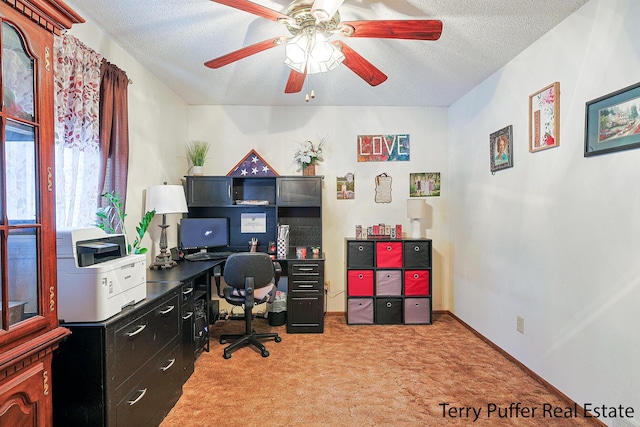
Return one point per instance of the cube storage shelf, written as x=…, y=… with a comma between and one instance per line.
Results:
x=388, y=281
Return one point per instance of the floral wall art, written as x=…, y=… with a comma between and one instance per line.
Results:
x=544, y=118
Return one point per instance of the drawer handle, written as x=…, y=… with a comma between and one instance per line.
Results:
x=388, y=305
x=415, y=276
x=187, y=316
x=361, y=248
x=416, y=248
x=187, y=291
x=169, y=309
x=360, y=276
x=137, y=331
x=136, y=400
x=305, y=286
x=305, y=268
x=171, y=362
x=388, y=276
x=389, y=248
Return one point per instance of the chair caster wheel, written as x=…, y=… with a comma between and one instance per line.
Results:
x=226, y=355
x=278, y=339
x=265, y=353
x=223, y=341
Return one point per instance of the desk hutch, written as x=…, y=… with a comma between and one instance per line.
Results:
x=286, y=200
x=29, y=329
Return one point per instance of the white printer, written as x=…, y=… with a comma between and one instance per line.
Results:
x=96, y=277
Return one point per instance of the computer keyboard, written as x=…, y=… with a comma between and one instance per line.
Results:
x=204, y=256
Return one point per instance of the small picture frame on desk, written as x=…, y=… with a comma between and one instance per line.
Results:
x=301, y=252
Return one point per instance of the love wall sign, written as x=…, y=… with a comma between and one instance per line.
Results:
x=383, y=148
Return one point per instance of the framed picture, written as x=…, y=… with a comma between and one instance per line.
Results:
x=612, y=122
x=544, y=118
x=501, y=149
x=346, y=186
x=424, y=184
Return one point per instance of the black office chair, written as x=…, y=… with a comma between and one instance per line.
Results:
x=244, y=273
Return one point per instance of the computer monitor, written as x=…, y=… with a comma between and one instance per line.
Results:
x=204, y=233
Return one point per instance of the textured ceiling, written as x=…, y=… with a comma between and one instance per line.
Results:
x=173, y=39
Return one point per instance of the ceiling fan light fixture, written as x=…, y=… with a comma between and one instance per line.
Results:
x=311, y=51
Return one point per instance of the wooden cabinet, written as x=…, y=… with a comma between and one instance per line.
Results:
x=29, y=330
x=127, y=370
x=208, y=191
x=388, y=281
x=305, y=297
x=299, y=191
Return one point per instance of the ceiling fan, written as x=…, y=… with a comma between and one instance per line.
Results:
x=311, y=24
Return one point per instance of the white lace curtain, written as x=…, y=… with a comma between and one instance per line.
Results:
x=77, y=86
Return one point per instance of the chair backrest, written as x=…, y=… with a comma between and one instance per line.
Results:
x=248, y=264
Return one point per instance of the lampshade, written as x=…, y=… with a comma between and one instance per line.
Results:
x=166, y=199
x=323, y=10
x=416, y=208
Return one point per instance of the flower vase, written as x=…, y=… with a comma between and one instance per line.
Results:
x=198, y=170
x=309, y=170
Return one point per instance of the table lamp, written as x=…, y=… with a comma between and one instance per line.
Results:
x=165, y=199
x=416, y=209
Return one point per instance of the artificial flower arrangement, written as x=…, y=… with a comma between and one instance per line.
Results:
x=308, y=153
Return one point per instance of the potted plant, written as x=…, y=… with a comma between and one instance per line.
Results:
x=308, y=155
x=197, y=152
x=111, y=220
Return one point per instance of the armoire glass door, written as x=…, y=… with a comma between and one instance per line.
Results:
x=20, y=228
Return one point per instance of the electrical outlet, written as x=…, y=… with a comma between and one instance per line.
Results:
x=328, y=285
x=520, y=324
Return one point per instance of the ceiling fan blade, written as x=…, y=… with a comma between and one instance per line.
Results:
x=256, y=9
x=390, y=29
x=323, y=10
x=244, y=52
x=295, y=82
x=356, y=63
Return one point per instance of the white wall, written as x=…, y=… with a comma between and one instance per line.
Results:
x=157, y=132
x=274, y=132
x=555, y=239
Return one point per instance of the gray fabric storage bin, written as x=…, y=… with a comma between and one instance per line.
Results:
x=417, y=311
x=388, y=282
x=360, y=311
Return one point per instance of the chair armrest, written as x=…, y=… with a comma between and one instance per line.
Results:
x=277, y=268
x=217, y=274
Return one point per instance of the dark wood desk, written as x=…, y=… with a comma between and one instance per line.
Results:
x=196, y=313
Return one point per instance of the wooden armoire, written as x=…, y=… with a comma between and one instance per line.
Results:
x=29, y=330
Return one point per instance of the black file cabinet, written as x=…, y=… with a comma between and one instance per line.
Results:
x=124, y=371
x=305, y=298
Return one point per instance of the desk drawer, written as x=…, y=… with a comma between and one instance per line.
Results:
x=306, y=269
x=158, y=384
x=141, y=338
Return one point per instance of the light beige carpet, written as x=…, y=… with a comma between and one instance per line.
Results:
x=374, y=375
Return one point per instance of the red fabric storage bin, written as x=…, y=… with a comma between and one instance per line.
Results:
x=360, y=283
x=389, y=254
x=416, y=282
